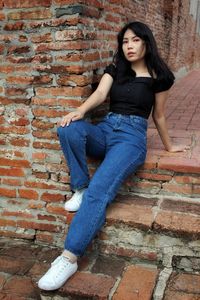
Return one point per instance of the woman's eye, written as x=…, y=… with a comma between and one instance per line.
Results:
x=136, y=40
x=124, y=42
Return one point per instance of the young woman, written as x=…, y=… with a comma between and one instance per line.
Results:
x=137, y=81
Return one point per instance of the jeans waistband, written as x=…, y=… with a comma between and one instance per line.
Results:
x=135, y=118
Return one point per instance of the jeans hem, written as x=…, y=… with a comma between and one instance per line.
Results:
x=79, y=187
x=73, y=252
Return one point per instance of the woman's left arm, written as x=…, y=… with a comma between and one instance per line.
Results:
x=161, y=124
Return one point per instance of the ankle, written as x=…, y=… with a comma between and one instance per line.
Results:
x=71, y=257
x=82, y=190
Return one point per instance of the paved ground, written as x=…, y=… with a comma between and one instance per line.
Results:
x=108, y=276
x=102, y=277
x=183, y=105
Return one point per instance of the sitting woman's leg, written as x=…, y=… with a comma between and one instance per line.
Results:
x=101, y=191
x=77, y=140
x=126, y=151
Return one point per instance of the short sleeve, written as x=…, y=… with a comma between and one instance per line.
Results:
x=163, y=85
x=111, y=70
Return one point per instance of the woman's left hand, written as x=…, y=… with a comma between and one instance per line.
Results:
x=178, y=148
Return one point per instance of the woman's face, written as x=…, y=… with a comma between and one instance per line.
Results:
x=133, y=47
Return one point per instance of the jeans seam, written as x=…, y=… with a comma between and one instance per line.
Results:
x=85, y=185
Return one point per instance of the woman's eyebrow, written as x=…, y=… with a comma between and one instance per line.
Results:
x=132, y=37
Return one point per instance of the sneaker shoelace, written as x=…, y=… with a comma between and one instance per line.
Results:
x=62, y=267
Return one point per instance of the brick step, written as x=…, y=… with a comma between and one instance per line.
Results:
x=148, y=227
x=99, y=277
x=167, y=173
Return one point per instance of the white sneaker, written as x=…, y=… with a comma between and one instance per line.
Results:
x=61, y=270
x=75, y=202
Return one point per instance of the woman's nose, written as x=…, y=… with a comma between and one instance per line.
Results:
x=130, y=45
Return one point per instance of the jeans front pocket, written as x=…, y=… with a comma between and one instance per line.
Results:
x=140, y=126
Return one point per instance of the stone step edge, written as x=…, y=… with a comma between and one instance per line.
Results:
x=175, y=217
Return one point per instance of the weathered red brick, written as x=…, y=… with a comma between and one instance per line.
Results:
x=69, y=35
x=41, y=175
x=28, y=194
x=14, y=162
x=49, y=197
x=18, y=50
x=7, y=192
x=29, y=235
x=10, y=181
x=20, y=122
x=39, y=225
x=126, y=252
x=45, y=134
x=181, y=206
x=180, y=296
x=19, y=142
x=137, y=283
x=71, y=45
x=187, y=179
x=41, y=184
x=14, y=26
x=22, y=214
x=21, y=130
x=34, y=14
x=183, y=286
x=59, y=210
x=2, y=16
x=64, y=2
x=7, y=222
x=44, y=237
x=136, y=216
x=144, y=184
x=42, y=145
x=46, y=217
x=178, y=164
x=21, y=286
x=71, y=80
x=153, y=176
x=2, y=280
x=51, y=113
x=29, y=79
x=39, y=156
x=185, y=189
x=26, y=3
x=42, y=124
x=183, y=224
x=14, y=172
x=89, y=285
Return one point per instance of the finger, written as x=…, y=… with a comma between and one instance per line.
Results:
x=63, y=122
x=68, y=122
x=75, y=118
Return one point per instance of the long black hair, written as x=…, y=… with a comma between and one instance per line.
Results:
x=155, y=64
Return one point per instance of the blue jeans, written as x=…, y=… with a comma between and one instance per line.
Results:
x=120, y=141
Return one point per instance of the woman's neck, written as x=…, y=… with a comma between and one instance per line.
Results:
x=139, y=67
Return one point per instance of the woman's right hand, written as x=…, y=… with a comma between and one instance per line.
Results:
x=70, y=117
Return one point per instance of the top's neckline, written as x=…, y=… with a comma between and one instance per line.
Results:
x=143, y=77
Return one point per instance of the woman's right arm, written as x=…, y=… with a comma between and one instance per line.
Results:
x=96, y=98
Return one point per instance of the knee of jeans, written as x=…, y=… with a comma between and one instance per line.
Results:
x=61, y=132
x=70, y=132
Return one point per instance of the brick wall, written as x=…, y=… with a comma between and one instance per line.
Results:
x=52, y=53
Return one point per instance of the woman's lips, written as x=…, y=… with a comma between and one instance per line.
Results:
x=131, y=53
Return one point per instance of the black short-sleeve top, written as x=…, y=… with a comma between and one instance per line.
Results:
x=136, y=96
